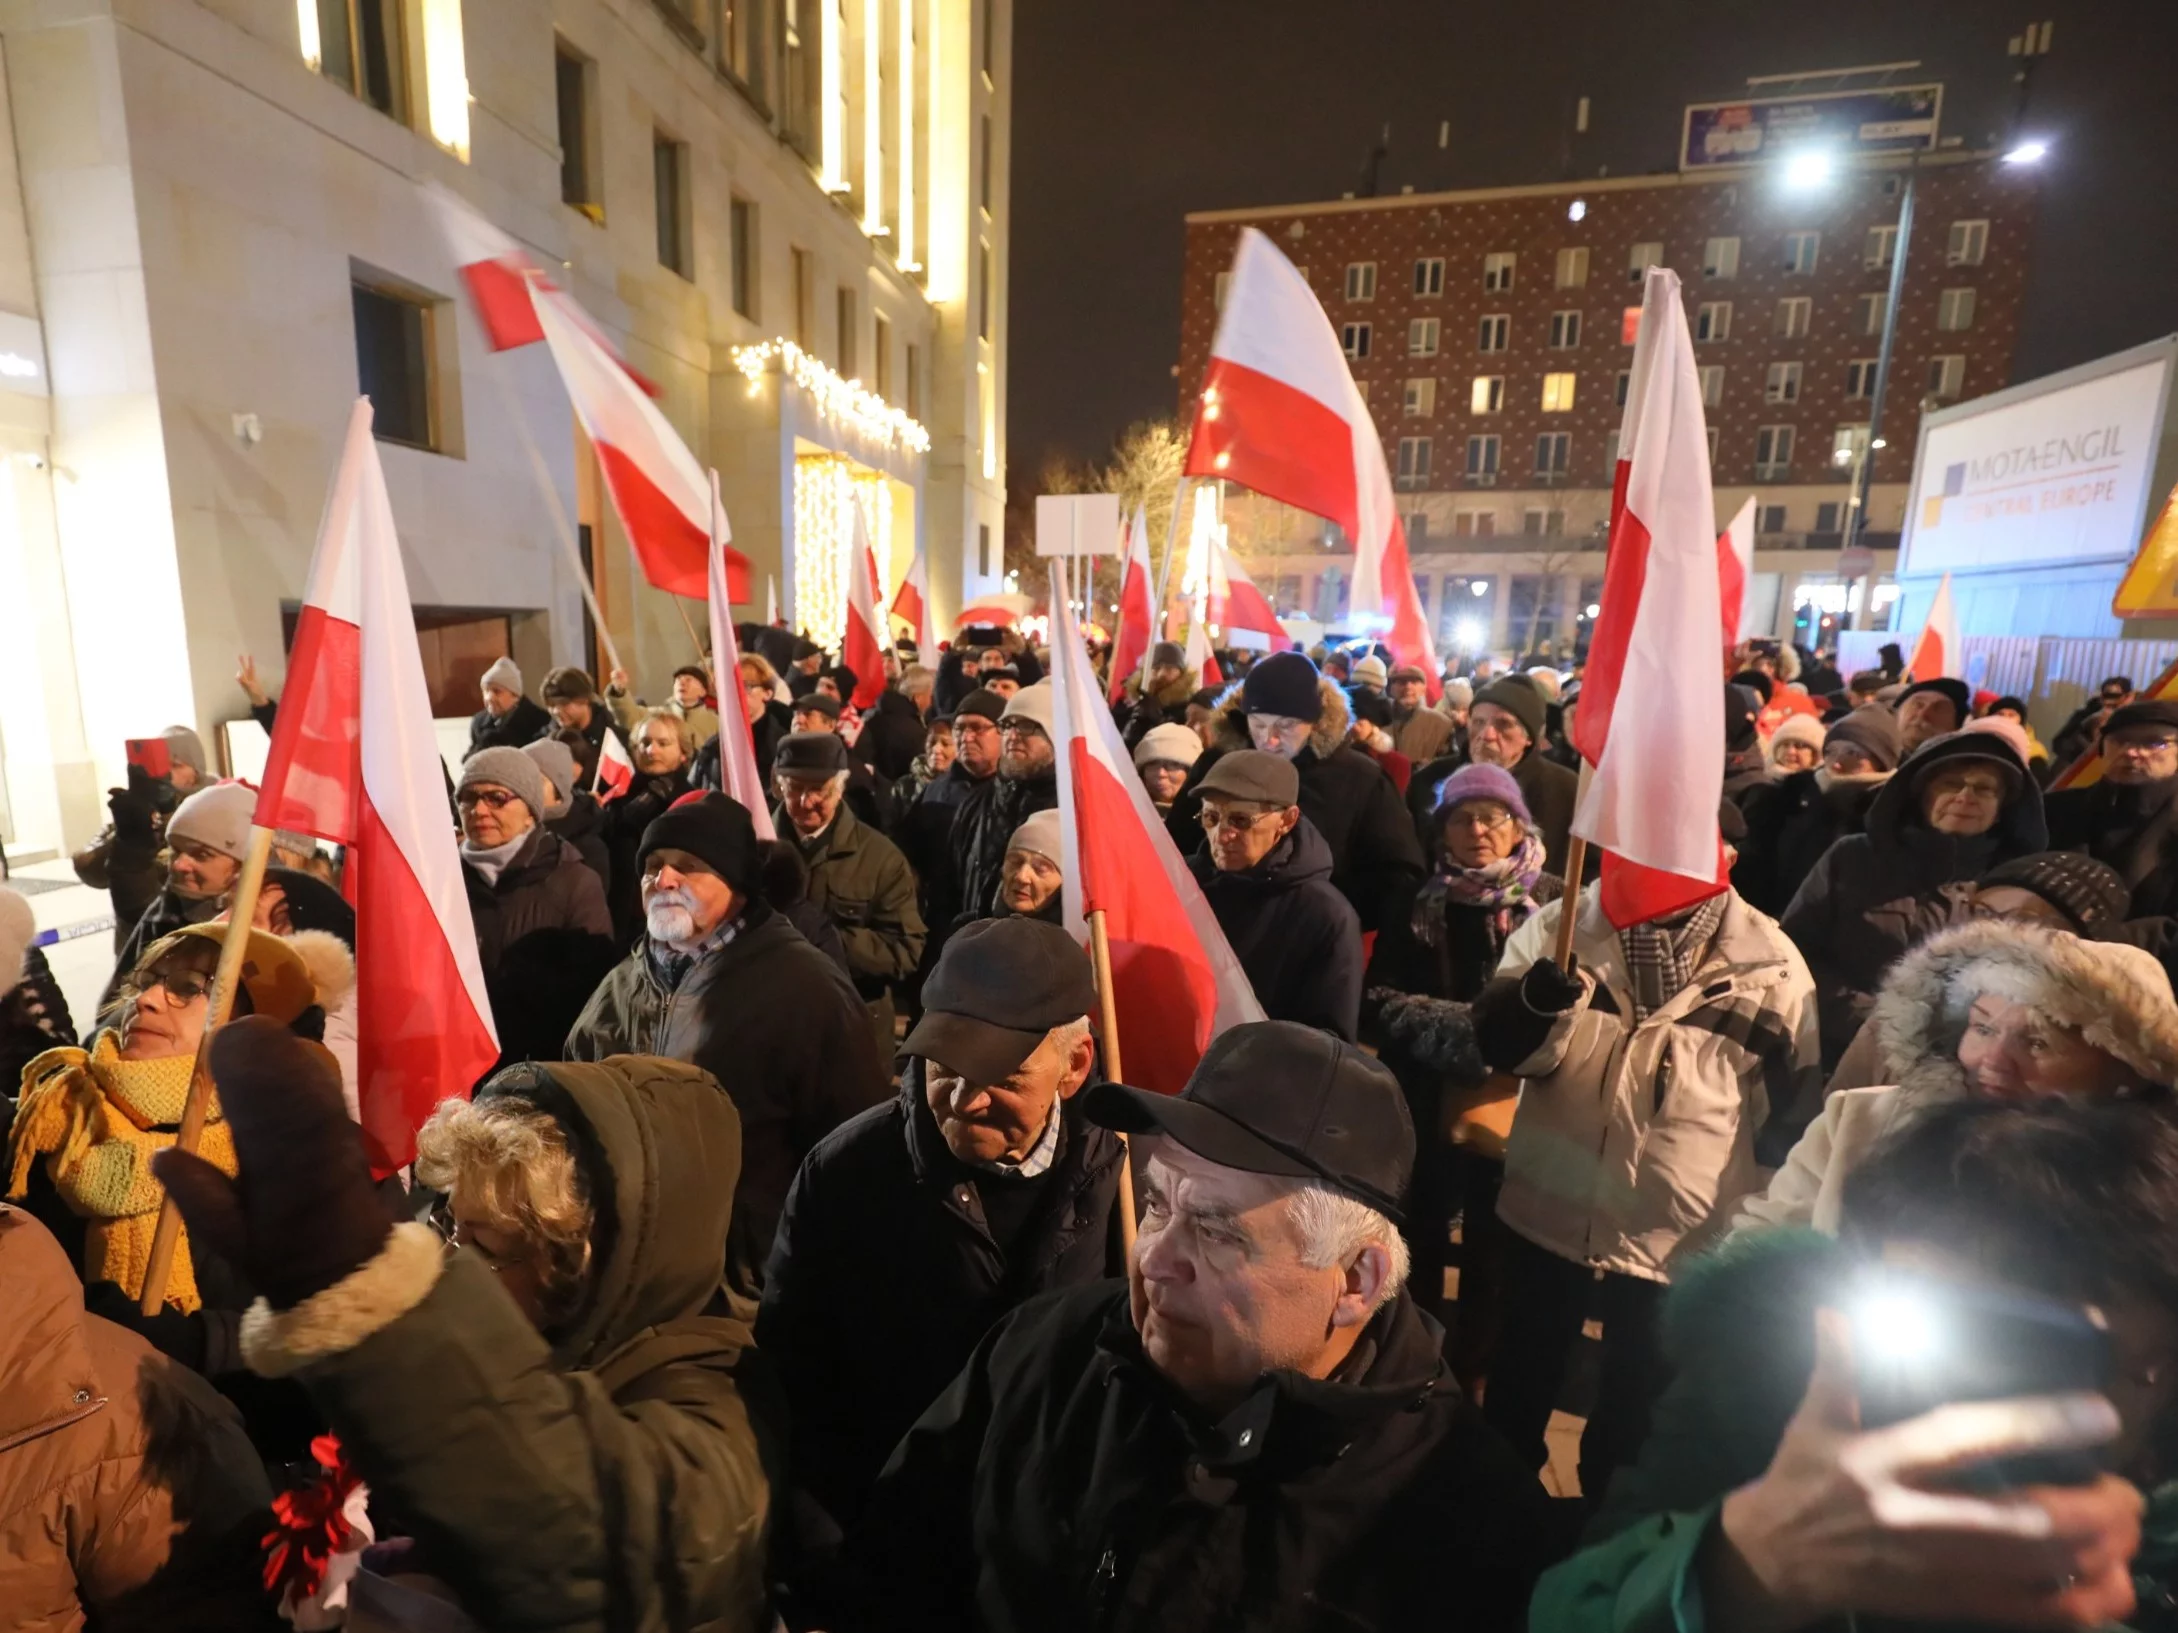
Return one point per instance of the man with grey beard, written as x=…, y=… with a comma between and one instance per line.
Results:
x=721, y=981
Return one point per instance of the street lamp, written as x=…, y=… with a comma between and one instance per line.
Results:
x=2030, y=151
x=1810, y=168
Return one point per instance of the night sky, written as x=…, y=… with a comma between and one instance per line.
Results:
x=1130, y=113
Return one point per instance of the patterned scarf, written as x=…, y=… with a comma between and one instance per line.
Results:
x=1662, y=958
x=1506, y=885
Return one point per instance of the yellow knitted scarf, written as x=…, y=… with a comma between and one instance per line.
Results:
x=96, y=1119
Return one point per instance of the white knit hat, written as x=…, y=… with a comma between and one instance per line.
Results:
x=503, y=672
x=218, y=818
x=1032, y=703
x=1370, y=671
x=1170, y=744
x=1799, y=728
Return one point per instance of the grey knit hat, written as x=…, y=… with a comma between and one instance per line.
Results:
x=557, y=761
x=502, y=673
x=185, y=747
x=507, y=768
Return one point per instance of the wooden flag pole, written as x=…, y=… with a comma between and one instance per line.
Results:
x=1100, y=952
x=242, y=909
x=694, y=639
x=1576, y=860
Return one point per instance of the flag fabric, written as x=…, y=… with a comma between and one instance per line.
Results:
x=911, y=605
x=1175, y=982
x=1659, y=768
x=737, y=770
x=1939, y=651
x=1280, y=413
x=862, y=647
x=615, y=773
x=1735, y=569
x=1233, y=601
x=1199, y=656
x=354, y=760
x=1003, y=608
x=1131, y=642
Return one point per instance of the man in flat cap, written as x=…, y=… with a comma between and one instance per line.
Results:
x=1258, y=1420
x=913, y=1227
x=2129, y=818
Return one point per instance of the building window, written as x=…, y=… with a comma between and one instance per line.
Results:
x=1225, y=282
x=1573, y=268
x=1429, y=276
x=1497, y=272
x=881, y=355
x=1557, y=393
x=844, y=305
x=1482, y=458
x=1770, y=519
x=1868, y=313
x=1826, y=516
x=741, y=218
x=1487, y=396
x=1711, y=435
x=1782, y=383
x=1542, y=524
x=1495, y=332
x=360, y=48
x=1720, y=258
x=1422, y=337
x=1801, y=250
x=1565, y=331
x=1968, y=243
x=1946, y=375
x=394, y=346
x=1416, y=522
x=1640, y=258
x=1553, y=453
x=913, y=380
x=1712, y=385
x=1713, y=321
x=1877, y=248
x=1361, y=280
x=575, y=77
x=1793, y=313
x=1421, y=397
x=983, y=291
x=669, y=195
x=1477, y=524
x=1773, y=452
x=983, y=549
x=1955, y=310
x=1355, y=338
x=1625, y=384
x=1848, y=443
x=805, y=297
x=1414, y=462
x=1860, y=377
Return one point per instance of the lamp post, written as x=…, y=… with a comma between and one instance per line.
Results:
x=1856, y=509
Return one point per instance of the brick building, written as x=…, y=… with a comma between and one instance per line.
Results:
x=1491, y=332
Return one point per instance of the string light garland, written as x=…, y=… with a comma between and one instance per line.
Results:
x=842, y=401
x=826, y=491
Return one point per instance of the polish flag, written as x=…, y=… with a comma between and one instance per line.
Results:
x=354, y=760
x=862, y=647
x=911, y=605
x=1199, y=656
x=1175, y=982
x=1234, y=602
x=1280, y=413
x=1659, y=771
x=737, y=769
x=1735, y=567
x=1130, y=646
x=1939, y=651
x=615, y=771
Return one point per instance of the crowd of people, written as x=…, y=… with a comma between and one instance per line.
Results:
x=801, y=1263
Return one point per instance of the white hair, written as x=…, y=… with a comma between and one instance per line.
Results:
x=1066, y=1034
x=1334, y=1227
x=915, y=680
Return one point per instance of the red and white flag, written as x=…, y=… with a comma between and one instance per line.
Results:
x=1735, y=570
x=1659, y=767
x=615, y=771
x=1199, y=656
x=354, y=760
x=737, y=769
x=1281, y=414
x=1175, y=982
x=862, y=647
x=1939, y=651
x=911, y=605
x=1131, y=641
x=1234, y=602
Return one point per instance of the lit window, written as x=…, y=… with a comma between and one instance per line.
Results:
x=1557, y=393
x=1497, y=272
x=1421, y=398
x=1487, y=395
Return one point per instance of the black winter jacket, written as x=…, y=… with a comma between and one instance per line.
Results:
x=1790, y=823
x=892, y=735
x=583, y=826
x=1294, y=934
x=520, y=725
x=2134, y=830
x=545, y=939
x=1061, y=1484
x=885, y=1232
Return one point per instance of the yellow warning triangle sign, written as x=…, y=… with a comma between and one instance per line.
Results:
x=2150, y=586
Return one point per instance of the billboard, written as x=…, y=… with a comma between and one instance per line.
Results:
x=1892, y=119
x=2050, y=474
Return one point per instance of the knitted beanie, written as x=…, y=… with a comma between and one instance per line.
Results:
x=1174, y=745
x=507, y=768
x=502, y=673
x=1479, y=781
x=557, y=761
x=2089, y=893
x=1873, y=730
x=218, y=818
x=1798, y=728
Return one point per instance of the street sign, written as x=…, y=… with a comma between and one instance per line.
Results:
x=1890, y=119
x=2150, y=586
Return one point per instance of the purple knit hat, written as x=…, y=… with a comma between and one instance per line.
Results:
x=1477, y=781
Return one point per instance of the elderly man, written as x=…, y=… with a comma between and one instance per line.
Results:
x=2129, y=819
x=690, y=703
x=1027, y=782
x=820, y=711
x=207, y=837
x=1256, y=1431
x=1417, y=731
x=1505, y=729
x=926, y=828
x=892, y=732
x=544, y=932
x=2083, y=728
x=856, y=875
x=723, y=982
x=1930, y=708
x=978, y=1187
x=508, y=718
x=1267, y=875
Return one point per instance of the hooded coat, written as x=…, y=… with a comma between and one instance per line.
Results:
x=1790, y=823
x=892, y=735
x=1859, y=908
x=1376, y=860
x=1296, y=937
x=524, y=723
x=2116, y=997
x=611, y=1477
x=544, y=938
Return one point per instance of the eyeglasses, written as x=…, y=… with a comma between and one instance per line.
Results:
x=2146, y=745
x=805, y=792
x=1019, y=728
x=1979, y=787
x=441, y=1219
x=184, y=986
x=1238, y=822
x=492, y=799
x=1479, y=819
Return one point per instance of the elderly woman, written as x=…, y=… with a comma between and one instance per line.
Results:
x=1793, y=820
x=1960, y=804
x=551, y=1398
x=1162, y=759
x=2000, y=1009
x=1796, y=745
x=1029, y=878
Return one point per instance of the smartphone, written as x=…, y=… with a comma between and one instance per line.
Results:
x=154, y=756
x=1920, y=1342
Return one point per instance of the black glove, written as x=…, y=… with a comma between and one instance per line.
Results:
x=303, y=1214
x=134, y=808
x=1548, y=990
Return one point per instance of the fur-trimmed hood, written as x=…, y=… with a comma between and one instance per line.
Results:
x=2117, y=998
x=1334, y=720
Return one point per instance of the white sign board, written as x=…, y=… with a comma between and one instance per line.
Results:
x=2055, y=478
x=1078, y=524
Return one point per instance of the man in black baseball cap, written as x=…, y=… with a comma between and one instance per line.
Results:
x=917, y=1224
x=1264, y=1364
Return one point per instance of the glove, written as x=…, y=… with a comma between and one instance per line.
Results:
x=303, y=1214
x=1548, y=990
x=133, y=808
